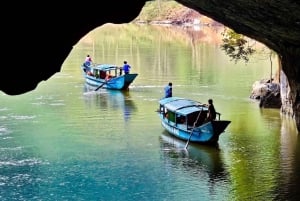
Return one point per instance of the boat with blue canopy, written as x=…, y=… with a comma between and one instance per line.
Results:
x=187, y=120
x=107, y=76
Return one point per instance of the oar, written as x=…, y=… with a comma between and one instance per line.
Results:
x=187, y=143
x=100, y=86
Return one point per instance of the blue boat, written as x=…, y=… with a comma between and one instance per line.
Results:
x=107, y=76
x=186, y=120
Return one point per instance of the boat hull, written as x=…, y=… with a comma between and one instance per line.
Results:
x=119, y=83
x=207, y=133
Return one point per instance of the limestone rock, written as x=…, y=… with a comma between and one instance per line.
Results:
x=267, y=92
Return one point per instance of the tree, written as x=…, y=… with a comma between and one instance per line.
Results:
x=236, y=46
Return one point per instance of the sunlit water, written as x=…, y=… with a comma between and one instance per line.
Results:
x=64, y=141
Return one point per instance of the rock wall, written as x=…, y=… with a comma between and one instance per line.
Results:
x=287, y=106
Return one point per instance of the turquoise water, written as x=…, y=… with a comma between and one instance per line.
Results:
x=63, y=141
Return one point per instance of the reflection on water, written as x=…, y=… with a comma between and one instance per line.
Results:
x=196, y=159
x=290, y=160
x=110, y=100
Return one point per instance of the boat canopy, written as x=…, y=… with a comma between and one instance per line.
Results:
x=175, y=103
x=182, y=106
x=106, y=67
x=168, y=100
x=188, y=110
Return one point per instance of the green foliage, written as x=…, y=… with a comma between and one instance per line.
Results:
x=236, y=46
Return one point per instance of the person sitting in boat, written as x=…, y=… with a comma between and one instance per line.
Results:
x=90, y=73
x=126, y=67
x=88, y=60
x=180, y=119
x=108, y=76
x=168, y=90
x=211, y=115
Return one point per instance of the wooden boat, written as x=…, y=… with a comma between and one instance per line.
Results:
x=107, y=76
x=186, y=119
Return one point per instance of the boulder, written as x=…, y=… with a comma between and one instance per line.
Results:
x=267, y=92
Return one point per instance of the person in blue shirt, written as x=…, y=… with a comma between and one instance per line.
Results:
x=126, y=67
x=168, y=90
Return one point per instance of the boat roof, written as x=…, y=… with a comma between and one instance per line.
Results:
x=105, y=67
x=182, y=106
x=189, y=110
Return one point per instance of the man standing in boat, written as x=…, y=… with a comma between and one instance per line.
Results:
x=168, y=90
x=88, y=60
x=211, y=115
x=126, y=67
